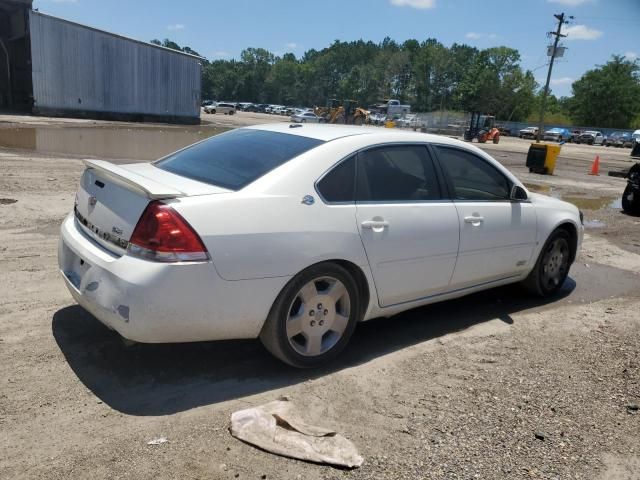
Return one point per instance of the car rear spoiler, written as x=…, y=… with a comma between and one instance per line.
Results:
x=133, y=180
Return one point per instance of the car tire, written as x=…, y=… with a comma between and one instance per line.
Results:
x=304, y=120
x=552, y=266
x=630, y=202
x=213, y=111
x=309, y=332
x=231, y=112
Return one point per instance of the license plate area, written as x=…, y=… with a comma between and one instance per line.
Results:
x=75, y=268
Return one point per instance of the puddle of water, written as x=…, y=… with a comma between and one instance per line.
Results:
x=579, y=199
x=594, y=224
x=594, y=203
x=147, y=143
x=538, y=188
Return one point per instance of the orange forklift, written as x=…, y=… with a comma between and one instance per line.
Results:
x=482, y=127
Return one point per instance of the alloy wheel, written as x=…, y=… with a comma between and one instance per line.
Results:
x=318, y=316
x=555, y=263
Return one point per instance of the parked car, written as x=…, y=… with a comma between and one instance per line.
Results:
x=305, y=117
x=377, y=118
x=528, y=132
x=504, y=131
x=557, y=134
x=260, y=108
x=244, y=106
x=408, y=121
x=393, y=108
x=221, y=107
x=619, y=139
x=591, y=137
x=575, y=134
x=217, y=242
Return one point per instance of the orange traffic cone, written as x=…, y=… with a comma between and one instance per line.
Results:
x=595, y=167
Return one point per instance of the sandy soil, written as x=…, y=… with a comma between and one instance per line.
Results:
x=496, y=385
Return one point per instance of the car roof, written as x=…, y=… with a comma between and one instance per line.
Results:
x=331, y=132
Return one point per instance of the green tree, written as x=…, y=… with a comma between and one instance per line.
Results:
x=607, y=96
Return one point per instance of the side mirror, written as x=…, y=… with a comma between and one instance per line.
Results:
x=518, y=193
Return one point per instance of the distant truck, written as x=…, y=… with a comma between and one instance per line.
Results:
x=393, y=108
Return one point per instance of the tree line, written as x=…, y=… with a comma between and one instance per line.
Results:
x=427, y=75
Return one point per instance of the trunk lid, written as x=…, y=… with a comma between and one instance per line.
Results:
x=111, y=198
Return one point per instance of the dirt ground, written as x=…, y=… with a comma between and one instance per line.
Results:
x=494, y=386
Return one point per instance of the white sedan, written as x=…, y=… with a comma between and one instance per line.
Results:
x=305, y=117
x=326, y=227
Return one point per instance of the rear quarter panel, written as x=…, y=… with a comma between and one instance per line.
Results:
x=265, y=230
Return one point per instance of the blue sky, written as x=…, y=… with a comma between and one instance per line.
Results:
x=223, y=28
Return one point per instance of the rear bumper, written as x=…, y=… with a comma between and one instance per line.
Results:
x=153, y=302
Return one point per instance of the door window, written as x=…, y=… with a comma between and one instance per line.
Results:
x=472, y=177
x=339, y=184
x=396, y=173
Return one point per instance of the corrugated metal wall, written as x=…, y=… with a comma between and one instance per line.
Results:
x=80, y=68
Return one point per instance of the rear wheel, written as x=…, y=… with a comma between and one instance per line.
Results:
x=496, y=139
x=552, y=266
x=313, y=317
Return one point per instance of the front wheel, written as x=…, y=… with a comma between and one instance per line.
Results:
x=552, y=267
x=496, y=139
x=313, y=317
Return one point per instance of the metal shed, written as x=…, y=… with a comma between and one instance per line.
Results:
x=80, y=71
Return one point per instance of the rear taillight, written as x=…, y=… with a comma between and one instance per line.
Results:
x=163, y=235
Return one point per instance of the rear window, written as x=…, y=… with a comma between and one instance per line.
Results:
x=235, y=159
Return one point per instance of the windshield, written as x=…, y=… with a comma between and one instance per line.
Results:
x=235, y=159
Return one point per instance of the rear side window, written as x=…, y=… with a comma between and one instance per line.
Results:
x=235, y=159
x=472, y=177
x=339, y=184
x=396, y=173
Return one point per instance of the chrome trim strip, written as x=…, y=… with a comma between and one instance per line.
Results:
x=106, y=239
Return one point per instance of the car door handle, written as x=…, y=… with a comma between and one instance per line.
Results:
x=375, y=224
x=474, y=219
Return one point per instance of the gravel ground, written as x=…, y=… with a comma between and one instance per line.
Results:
x=494, y=386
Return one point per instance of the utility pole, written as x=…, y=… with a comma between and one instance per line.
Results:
x=545, y=93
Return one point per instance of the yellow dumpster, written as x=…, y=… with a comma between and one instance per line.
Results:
x=390, y=124
x=542, y=158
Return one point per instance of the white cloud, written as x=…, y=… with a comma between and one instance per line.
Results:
x=631, y=56
x=291, y=45
x=569, y=3
x=422, y=4
x=477, y=36
x=562, y=81
x=581, y=32
x=175, y=26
